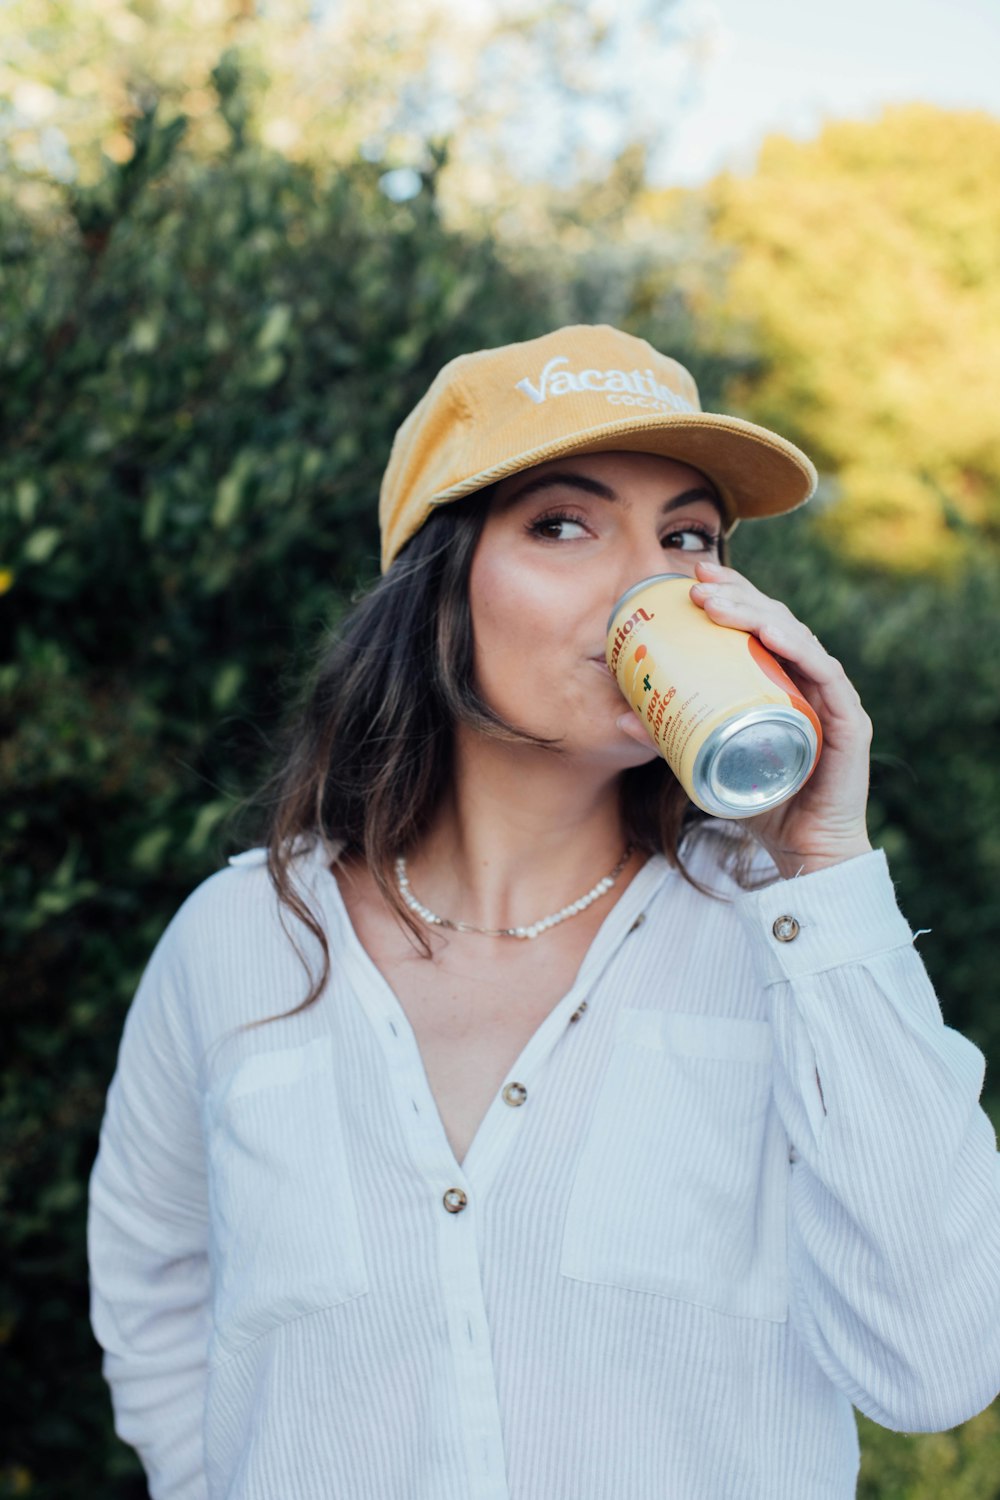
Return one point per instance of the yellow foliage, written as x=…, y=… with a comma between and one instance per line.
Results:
x=892, y=515
x=865, y=272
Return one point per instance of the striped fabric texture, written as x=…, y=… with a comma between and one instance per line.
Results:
x=744, y=1187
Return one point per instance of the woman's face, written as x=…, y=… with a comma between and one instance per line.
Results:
x=561, y=543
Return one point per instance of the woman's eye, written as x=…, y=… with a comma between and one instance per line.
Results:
x=558, y=528
x=691, y=540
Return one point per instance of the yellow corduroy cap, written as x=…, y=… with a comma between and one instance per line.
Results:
x=578, y=390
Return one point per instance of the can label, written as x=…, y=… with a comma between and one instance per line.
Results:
x=727, y=718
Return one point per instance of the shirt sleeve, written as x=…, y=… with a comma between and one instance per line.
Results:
x=148, y=1239
x=894, y=1230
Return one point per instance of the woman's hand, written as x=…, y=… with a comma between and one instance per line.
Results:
x=824, y=823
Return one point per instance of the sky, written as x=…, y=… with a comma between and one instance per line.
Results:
x=788, y=65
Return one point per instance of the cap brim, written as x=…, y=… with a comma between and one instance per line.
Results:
x=756, y=472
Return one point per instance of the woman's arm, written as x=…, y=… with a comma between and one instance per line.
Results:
x=894, y=1226
x=147, y=1236
x=895, y=1193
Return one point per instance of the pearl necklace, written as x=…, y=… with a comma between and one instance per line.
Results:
x=536, y=928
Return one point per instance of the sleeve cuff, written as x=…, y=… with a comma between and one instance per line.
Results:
x=840, y=915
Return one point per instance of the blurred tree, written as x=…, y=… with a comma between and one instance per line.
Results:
x=862, y=285
x=528, y=92
x=963, y=1464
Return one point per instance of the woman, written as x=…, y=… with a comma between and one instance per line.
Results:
x=607, y=1150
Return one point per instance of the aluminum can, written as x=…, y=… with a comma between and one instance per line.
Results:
x=729, y=721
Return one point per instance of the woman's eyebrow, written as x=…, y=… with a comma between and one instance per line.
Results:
x=602, y=491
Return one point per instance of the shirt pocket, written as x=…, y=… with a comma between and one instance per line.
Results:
x=681, y=1186
x=286, y=1236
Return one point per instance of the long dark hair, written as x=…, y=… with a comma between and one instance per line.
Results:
x=367, y=753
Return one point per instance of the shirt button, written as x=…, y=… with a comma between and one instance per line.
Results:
x=515, y=1094
x=579, y=1011
x=455, y=1200
x=785, y=929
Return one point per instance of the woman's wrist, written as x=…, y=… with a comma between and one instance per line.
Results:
x=792, y=862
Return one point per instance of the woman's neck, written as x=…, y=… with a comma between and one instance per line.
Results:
x=522, y=833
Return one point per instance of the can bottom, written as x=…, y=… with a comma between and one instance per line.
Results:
x=756, y=761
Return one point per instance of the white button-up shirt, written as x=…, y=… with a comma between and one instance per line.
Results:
x=736, y=1181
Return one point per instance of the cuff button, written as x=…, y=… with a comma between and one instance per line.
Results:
x=785, y=929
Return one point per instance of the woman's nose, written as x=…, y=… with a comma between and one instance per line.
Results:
x=647, y=557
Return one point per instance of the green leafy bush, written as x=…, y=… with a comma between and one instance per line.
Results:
x=963, y=1464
